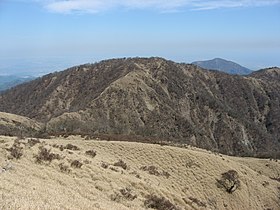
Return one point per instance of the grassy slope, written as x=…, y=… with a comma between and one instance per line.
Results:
x=193, y=173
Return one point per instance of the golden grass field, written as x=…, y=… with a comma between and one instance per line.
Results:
x=187, y=177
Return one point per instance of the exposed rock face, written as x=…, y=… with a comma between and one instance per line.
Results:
x=232, y=114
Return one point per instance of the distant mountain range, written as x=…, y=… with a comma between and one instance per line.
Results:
x=9, y=81
x=157, y=98
x=224, y=66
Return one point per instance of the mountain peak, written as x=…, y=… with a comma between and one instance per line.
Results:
x=223, y=65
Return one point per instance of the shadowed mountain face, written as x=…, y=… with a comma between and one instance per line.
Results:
x=224, y=66
x=154, y=97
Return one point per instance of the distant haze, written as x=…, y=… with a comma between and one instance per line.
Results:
x=223, y=65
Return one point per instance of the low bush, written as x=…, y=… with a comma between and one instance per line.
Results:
x=31, y=142
x=128, y=194
x=121, y=164
x=91, y=153
x=275, y=178
x=104, y=165
x=71, y=147
x=230, y=181
x=154, y=171
x=64, y=168
x=76, y=164
x=198, y=202
x=45, y=154
x=15, y=151
x=159, y=203
x=67, y=146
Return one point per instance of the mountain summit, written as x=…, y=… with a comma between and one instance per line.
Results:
x=223, y=65
x=154, y=97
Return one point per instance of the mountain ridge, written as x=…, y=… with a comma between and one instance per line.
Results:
x=154, y=97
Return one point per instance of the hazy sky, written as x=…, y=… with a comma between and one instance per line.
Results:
x=47, y=35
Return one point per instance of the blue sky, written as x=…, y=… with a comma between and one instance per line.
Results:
x=40, y=36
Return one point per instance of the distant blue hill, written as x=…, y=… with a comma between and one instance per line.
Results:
x=224, y=66
x=9, y=81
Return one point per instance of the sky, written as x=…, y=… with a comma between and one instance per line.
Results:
x=41, y=36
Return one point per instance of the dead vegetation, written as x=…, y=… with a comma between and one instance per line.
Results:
x=91, y=153
x=155, y=171
x=76, y=164
x=67, y=146
x=16, y=151
x=159, y=203
x=121, y=164
x=45, y=155
x=32, y=142
x=71, y=147
x=193, y=200
x=64, y=168
x=124, y=193
x=229, y=181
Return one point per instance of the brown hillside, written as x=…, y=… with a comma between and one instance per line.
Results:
x=15, y=125
x=154, y=97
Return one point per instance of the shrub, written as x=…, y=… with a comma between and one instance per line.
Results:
x=160, y=203
x=229, y=181
x=76, y=164
x=275, y=178
x=32, y=142
x=45, y=154
x=151, y=170
x=104, y=165
x=115, y=197
x=198, y=202
x=64, y=168
x=125, y=193
x=71, y=147
x=60, y=147
x=91, y=153
x=121, y=164
x=154, y=171
x=128, y=194
x=15, y=151
x=67, y=146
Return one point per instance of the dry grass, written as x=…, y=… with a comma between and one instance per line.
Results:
x=57, y=185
